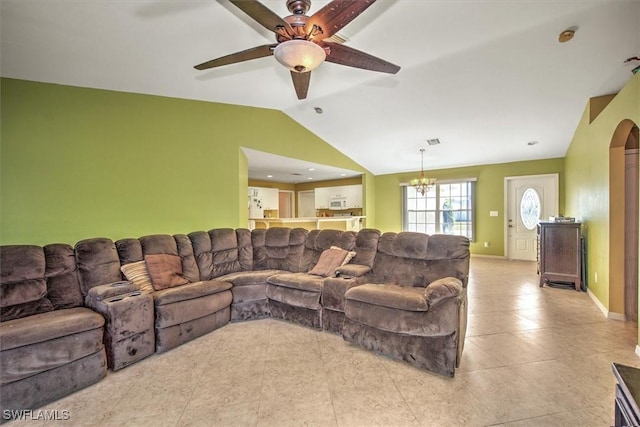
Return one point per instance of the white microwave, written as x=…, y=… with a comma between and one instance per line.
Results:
x=338, y=203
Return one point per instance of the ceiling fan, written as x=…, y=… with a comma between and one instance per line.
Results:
x=302, y=41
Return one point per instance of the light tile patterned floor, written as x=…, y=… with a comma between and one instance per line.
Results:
x=533, y=357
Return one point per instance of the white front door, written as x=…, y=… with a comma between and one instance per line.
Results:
x=529, y=199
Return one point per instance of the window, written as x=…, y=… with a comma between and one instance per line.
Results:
x=446, y=209
x=530, y=208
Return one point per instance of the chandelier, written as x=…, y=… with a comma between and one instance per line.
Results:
x=422, y=184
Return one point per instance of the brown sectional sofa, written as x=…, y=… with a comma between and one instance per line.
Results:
x=402, y=295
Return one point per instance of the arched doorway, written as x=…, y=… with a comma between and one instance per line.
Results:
x=623, y=220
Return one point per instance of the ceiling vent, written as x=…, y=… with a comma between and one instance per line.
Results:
x=434, y=141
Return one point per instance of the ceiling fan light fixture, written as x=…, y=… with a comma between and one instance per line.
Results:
x=300, y=56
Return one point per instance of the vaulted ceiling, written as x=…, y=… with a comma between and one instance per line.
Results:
x=486, y=77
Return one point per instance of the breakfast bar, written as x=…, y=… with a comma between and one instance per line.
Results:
x=345, y=223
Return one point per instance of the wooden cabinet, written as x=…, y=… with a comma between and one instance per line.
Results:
x=560, y=253
x=627, y=412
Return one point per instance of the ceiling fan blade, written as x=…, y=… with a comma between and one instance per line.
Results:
x=301, y=83
x=245, y=55
x=264, y=16
x=345, y=55
x=334, y=16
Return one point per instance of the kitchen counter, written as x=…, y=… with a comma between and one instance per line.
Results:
x=347, y=223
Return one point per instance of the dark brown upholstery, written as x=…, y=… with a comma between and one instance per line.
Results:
x=413, y=303
x=297, y=296
x=403, y=295
x=128, y=338
x=187, y=311
x=45, y=334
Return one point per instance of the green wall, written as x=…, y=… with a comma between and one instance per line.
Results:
x=79, y=163
x=587, y=180
x=489, y=197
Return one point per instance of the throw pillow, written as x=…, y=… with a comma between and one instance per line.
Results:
x=165, y=271
x=330, y=259
x=138, y=274
x=349, y=256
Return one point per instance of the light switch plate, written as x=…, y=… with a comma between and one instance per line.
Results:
x=493, y=213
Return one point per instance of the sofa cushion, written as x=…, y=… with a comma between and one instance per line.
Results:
x=54, y=324
x=278, y=248
x=185, y=251
x=392, y=296
x=17, y=311
x=294, y=297
x=165, y=271
x=250, y=277
x=138, y=274
x=330, y=259
x=180, y=312
x=63, y=283
x=190, y=291
x=301, y=281
x=23, y=362
x=22, y=271
x=98, y=263
x=366, y=246
x=440, y=320
x=353, y=270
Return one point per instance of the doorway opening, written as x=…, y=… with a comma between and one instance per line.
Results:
x=623, y=220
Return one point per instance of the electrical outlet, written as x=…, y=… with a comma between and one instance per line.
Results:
x=486, y=244
x=595, y=276
x=493, y=213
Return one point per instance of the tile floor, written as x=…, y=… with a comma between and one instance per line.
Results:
x=533, y=357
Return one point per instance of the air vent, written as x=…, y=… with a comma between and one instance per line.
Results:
x=434, y=141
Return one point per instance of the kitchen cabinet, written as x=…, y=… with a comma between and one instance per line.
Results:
x=351, y=193
x=269, y=197
x=354, y=196
x=321, y=197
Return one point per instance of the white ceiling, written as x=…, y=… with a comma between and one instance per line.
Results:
x=271, y=167
x=484, y=76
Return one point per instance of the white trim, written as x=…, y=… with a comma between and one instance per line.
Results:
x=506, y=202
x=620, y=317
x=598, y=304
x=638, y=350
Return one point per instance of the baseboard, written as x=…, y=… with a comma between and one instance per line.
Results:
x=598, y=304
x=617, y=316
x=608, y=314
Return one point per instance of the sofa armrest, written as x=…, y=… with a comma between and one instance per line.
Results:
x=442, y=288
x=103, y=292
x=352, y=270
